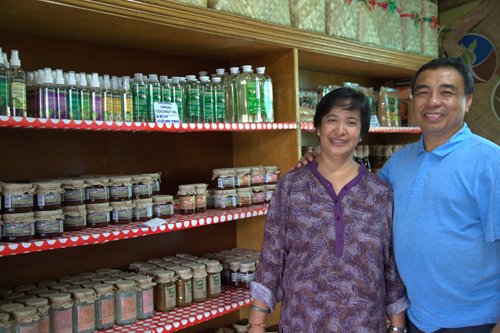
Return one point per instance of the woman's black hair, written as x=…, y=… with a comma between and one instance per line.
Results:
x=347, y=99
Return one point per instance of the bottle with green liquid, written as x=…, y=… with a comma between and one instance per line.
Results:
x=192, y=105
x=4, y=88
x=266, y=95
x=139, y=98
x=178, y=96
x=154, y=95
x=248, y=87
x=166, y=89
x=73, y=97
x=127, y=104
x=84, y=97
x=231, y=95
x=18, y=105
x=108, y=112
x=207, y=100
x=219, y=99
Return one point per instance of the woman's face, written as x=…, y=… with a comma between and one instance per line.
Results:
x=339, y=132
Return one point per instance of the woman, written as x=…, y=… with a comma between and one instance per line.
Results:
x=327, y=250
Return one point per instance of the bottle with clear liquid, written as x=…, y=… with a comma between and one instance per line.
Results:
x=49, y=96
x=116, y=99
x=38, y=93
x=220, y=72
x=18, y=104
x=96, y=98
x=207, y=100
x=4, y=88
x=140, y=98
x=166, y=89
x=127, y=102
x=266, y=95
x=154, y=95
x=248, y=87
x=192, y=105
x=178, y=96
x=84, y=97
x=219, y=99
x=73, y=98
x=108, y=113
x=231, y=95
x=61, y=95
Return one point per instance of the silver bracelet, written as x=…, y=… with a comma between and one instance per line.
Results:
x=397, y=329
x=256, y=308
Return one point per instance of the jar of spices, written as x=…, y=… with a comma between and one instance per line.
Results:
x=268, y=192
x=120, y=188
x=61, y=313
x=10, y=307
x=214, y=286
x=18, y=227
x=98, y=215
x=163, y=206
x=247, y=273
x=199, y=281
x=225, y=199
x=243, y=177
x=75, y=217
x=74, y=192
x=226, y=272
x=184, y=286
x=126, y=302
x=244, y=196
x=142, y=187
x=145, y=296
x=25, y=319
x=48, y=196
x=5, y=323
x=155, y=181
x=257, y=175
x=234, y=268
x=42, y=307
x=143, y=209
x=258, y=195
x=104, y=306
x=224, y=178
x=49, y=223
x=97, y=190
x=165, y=292
x=17, y=198
x=47, y=293
x=83, y=310
x=122, y=212
x=201, y=197
x=271, y=174
x=187, y=199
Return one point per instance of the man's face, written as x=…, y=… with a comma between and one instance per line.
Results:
x=439, y=103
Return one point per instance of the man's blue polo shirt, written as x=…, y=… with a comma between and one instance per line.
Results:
x=447, y=230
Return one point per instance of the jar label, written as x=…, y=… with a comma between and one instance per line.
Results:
x=49, y=199
x=18, y=200
x=94, y=194
x=107, y=311
x=224, y=202
x=122, y=214
x=163, y=209
x=75, y=221
x=199, y=288
x=120, y=192
x=26, y=328
x=247, y=277
x=18, y=229
x=187, y=202
x=148, y=301
x=141, y=190
x=225, y=182
x=189, y=291
x=85, y=317
x=270, y=177
x=63, y=321
x=97, y=217
x=201, y=201
x=214, y=283
x=128, y=307
x=143, y=212
x=170, y=297
x=49, y=227
x=235, y=277
x=267, y=195
x=257, y=179
x=243, y=180
x=44, y=325
x=258, y=197
x=73, y=196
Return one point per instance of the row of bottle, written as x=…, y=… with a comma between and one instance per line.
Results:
x=47, y=93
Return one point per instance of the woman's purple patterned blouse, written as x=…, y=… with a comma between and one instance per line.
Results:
x=328, y=258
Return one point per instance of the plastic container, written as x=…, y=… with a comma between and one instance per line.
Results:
x=48, y=196
x=75, y=217
x=49, y=223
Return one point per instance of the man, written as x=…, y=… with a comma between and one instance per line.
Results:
x=447, y=209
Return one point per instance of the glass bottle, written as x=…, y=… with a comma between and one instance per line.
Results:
x=199, y=273
x=61, y=95
x=126, y=302
x=178, y=96
x=18, y=105
x=42, y=306
x=154, y=95
x=96, y=98
x=4, y=88
x=219, y=100
x=84, y=97
x=49, y=95
x=104, y=306
x=73, y=98
x=248, y=87
x=266, y=95
x=207, y=100
x=31, y=83
x=231, y=95
x=214, y=285
x=192, y=105
x=165, y=291
x=187, y=199
x=60, y=313
x=201, y=197
x=83, y=310
x=165, y=89
x=116, y=99
x=139, y=98
x=108, y=112
x=127, y=104
x=184, y=286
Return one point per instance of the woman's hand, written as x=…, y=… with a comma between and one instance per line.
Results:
x=308, y=157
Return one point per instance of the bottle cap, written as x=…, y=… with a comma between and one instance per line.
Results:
x=138, y=76
x=5, y=60
x=114, y=82
x=220, y=71
x=30, y=79
x=106, y=82
x=83, y=80
x=14, y=59
x=204, y=79
x=59, y=77
x=153, y=77
x=175, y=79
x=234, y=70
x=47, y=76
x=126, y=83
x=216, y=79
x=191, y=77
x=163, y=79
x=71, y=79
x=260, y=70
x=95, y=81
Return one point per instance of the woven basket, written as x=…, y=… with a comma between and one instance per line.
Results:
x=199, y=3
x=308, y=15
x=341, y=18
x=367, y=32
x=429, y=32
x=248, y=8
x=389, y=27
x=410, y=29
x=275, y=11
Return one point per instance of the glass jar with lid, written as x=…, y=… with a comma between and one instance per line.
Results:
x=234, y=268
x=226, y=272
x=201, y=197
x=47, y=293
x=184, y=286
x=49, y=223
x=224, y=178
x=163, y=206
x=48, y=196
x=35, y=291
x=83, y=310
x=61, y=286
x=225, y=199
x=258, y=195
x=122, y=212
x=75, y=217
x=244, y=196
x=5, y=323
x=120, y=188
x=214, y=285
x=10, y=308
x=145, y=296
x=73, y=192
x=25, y=320
x=143, y=209
x=257, y=175
x=98, y=215
x=97, y=190
x=243, y=177
x=18, y=227
x=269, y=190
x=155, y=181
x=42, y=307
x=271, y=174
x=61, y=313
x=187, y=199
x=199, y=273
x=165, y=291
x=142, y=187
x=24, y=287
x=104, y=306
x=126, y=302
x=247, y=273
x=17, y=198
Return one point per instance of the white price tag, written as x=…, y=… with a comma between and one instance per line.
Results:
x=166, y=113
